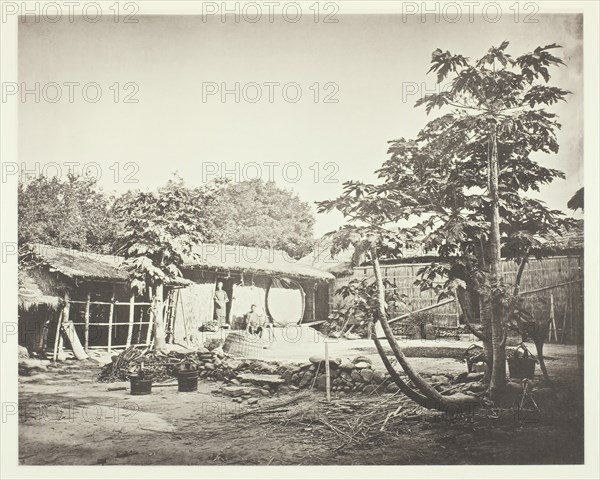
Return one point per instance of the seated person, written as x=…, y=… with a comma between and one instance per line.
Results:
x=255, y=322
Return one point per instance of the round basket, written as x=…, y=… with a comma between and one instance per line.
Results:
x=240, y=343
x=522, y=367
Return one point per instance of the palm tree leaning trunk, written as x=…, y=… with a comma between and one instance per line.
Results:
x=404, y=387
x=539, y=347
x=434, y=398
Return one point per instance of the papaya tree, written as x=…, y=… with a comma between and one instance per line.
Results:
x=158, y=231
x=462, y=190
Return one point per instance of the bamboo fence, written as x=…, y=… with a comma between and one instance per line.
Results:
x=559, y=279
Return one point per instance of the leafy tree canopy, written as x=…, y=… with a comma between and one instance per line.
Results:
x=462, y=188
x=72, y=213
x=157, y=230
x=256, y=213
x=435, y=189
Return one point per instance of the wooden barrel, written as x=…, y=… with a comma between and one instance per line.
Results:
x=141, y=386
x=187, y=380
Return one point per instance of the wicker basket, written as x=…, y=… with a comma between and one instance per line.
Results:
x=243, y=344
x=523, y=367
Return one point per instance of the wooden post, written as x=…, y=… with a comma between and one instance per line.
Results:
x=150, y=317
x=572, y=316
x=57, y=336
x=564, y=323
x=314, y=301
x=138, y=334
x=327, y=372
x=159, y=320
x=59, y=350
x=64, y=317
x=111, y=313
x=131, y=318
x=86, y=334
x=457, y=307
x=44, y=340
x=552, y=322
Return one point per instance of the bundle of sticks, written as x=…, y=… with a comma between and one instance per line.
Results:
x=157, y=366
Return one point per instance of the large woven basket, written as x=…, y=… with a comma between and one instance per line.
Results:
x=243, y=344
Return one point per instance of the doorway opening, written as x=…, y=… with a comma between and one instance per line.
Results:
x=228, y=288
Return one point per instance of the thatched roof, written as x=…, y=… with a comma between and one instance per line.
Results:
x=82, y=265
x=30, y=293
x=570, y=241
x=87, y=266
x=254, y=260
x=321, y=258
x=93, y=266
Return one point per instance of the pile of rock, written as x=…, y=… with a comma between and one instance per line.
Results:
x=260, y=375
x=252, y=386
x=356, y=375
x=245, y=379
x=216, y=365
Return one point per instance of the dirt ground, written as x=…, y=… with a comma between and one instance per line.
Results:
x=67, y=418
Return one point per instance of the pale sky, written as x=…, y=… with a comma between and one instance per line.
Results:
x=371, y=59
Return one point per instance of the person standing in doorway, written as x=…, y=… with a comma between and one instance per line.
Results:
x=221, y=300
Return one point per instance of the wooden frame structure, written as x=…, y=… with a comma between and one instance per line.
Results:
x=111, y=323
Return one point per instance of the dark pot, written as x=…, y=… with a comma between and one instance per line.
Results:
x=141, y=386
x=521, y=367
x=187, y=380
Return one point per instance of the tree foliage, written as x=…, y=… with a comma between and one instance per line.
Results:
x=72, y=213
x=576, y=201
x=438, y=182
x=76, y=213
x=157, y=230
x=256, y=213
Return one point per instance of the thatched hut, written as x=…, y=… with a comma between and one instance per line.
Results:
x=89, y=293
x=284, y=289
x=36, y=310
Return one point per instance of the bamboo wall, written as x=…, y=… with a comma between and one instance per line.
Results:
x=567, y=299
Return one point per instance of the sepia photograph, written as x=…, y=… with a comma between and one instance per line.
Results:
x=289, y=235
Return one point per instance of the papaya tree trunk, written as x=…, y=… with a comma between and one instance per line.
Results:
x=498, y=376
x=485, y=314
x=466, y=305
x=160, y=344
x=465, y=302
x=436, y=399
